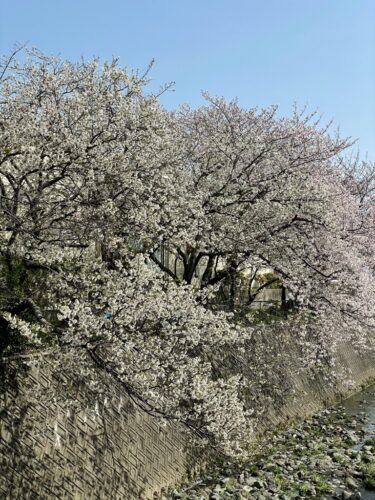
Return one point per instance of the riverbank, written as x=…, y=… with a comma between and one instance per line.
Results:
x=330, y=455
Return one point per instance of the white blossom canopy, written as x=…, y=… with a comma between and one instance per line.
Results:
x=95, y=176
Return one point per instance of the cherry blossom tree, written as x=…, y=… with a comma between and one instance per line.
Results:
x=90, y=182
x=278, y=193
x=96, y=178
x=253, y=177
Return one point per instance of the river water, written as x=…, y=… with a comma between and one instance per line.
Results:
x=364, y=402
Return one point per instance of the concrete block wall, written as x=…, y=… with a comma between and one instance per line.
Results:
x=118, y=451
x=112, y=452
x=310, y=394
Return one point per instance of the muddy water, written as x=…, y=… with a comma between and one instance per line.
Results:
x=364, y=404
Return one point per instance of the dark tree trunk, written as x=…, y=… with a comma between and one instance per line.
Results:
x=232, y=285
x=209, y=271
x=189, y=269
x=191, y=261
x=284, y=305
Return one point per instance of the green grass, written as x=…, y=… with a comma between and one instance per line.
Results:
x=369, y=475
x=370, y=442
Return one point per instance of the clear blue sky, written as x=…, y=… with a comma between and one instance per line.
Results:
x=315, y=52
